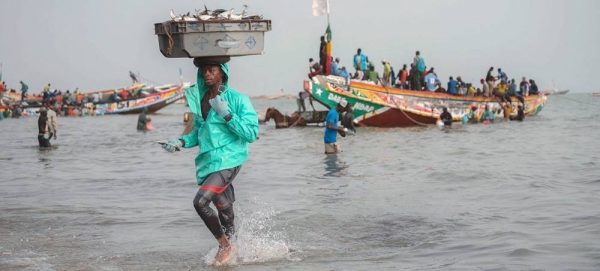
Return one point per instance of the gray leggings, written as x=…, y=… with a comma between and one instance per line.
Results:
x=217, y=188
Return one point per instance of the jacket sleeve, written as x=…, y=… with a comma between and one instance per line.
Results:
x=191, y=139
x=244, y=121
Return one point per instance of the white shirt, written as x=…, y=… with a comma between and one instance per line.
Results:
x=52, y=125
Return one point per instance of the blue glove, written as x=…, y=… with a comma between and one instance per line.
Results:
x=172, y=145
x=220, y=106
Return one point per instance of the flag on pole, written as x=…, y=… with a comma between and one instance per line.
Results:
x=320, y=7
x=329, y=59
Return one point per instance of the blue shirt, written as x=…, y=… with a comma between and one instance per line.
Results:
x=362, y=60
x=453, y=87
x=334, y=68
x=333, y=118
x=344, y=73
x=430, y=80
x=501, y=75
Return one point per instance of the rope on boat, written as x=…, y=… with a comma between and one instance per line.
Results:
x=171, y=41
x=577, y=101
x=153, y=82
x=398, y=107
x=299, y=118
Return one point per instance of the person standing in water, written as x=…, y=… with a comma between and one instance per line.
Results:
x=224, y=124
x=332, y=128
x=348, y=120
x=520, y=114
x=43, y=129
x=446, y=117
x=143, y=120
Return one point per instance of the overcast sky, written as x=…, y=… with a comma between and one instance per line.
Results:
x=93, y=44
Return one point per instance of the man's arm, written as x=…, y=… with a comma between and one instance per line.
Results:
x=54, y=125
x=191, y=139
x=244, y=121
x=339, y=129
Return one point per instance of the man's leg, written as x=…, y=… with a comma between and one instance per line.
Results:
x=217, y=189
x=418, y=79
x=224, y=205
x=45, y=143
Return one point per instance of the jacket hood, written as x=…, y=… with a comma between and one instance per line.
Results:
x=193, y=94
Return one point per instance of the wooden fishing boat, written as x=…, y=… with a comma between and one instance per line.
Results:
x=378, y=106
x=156, y=99
x=153, y=98
x=595, y=94
x=35, y=101
x=555, y=92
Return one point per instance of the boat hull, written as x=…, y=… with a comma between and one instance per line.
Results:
x=153, y=103
x=378, y=106
x=35, y=101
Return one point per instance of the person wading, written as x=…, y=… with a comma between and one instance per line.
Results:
x=142, y=124
x=224, y=124
x=332, y=128
x=43, y=129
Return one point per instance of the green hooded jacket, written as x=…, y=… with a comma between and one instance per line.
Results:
x=222, y=144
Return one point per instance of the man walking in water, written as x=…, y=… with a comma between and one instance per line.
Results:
x=224, y=124
x=142, y=124
x=43, y=129
x=332, y=128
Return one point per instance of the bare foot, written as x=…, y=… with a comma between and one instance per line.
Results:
x=224, y=255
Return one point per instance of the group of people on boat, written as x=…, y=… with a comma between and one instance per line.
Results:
x=419, y=78
x=5, y=90
x=75, y=98
x=317, y=69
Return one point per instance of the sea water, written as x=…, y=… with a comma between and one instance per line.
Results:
x=506, y=196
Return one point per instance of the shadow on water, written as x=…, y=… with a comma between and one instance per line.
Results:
x=334, y=167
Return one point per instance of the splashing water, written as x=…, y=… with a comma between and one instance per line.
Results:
x=257, y=241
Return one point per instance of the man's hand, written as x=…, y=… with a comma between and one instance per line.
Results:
x=172, y=145
x=54, y=135
x=220, y=106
